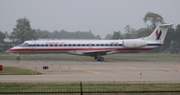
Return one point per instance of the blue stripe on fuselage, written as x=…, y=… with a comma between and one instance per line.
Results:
x=34, y=45
x=153, y=44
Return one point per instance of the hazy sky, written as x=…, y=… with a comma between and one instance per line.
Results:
x=100, y=16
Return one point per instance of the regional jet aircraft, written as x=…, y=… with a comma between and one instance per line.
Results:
x=95, y=48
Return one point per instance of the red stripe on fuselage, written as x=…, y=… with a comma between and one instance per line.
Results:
x=72, y=49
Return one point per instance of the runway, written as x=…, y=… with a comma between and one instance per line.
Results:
x=75, y=71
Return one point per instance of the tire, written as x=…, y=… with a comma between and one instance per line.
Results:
x=18, y=58
x=100, y=59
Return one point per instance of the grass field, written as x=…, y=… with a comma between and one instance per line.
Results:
x=86, y=86
x=136, y=57
x=17, y=71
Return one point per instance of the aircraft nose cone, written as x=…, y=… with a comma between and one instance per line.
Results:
x=8, y=51
x=11, y=50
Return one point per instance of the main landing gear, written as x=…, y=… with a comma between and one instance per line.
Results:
x=98, y=58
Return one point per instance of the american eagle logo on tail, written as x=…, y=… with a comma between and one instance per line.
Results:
x=158, y=35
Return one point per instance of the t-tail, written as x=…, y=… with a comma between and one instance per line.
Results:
x=159, y=34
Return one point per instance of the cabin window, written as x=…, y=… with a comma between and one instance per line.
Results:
x=69, y=44
x=120, y=44
x=65, y=45
x=87, y=44
x=42, y=45
x=115, y=44
x=29, y=45
x=60, y=45
x=34, y=45
x=83, y=44
x=47, y=45
x=111, y=44
x=78, y=45
x=102, y=44
x=92, y=44
x=56, y=45
x=74, y=44
x=97, y=44
x=106, y=44
x=37, y=45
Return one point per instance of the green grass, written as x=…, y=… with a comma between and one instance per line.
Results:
x=145, y=57
x=86, y=86
x=136, y=57
x=45, y=57
x=16, y=71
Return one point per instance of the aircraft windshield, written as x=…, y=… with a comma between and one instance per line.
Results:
x=24, y=44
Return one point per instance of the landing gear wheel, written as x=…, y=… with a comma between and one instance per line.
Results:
x=100, y=59
x=18, y=58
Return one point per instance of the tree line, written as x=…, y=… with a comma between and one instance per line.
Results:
x=23, y=32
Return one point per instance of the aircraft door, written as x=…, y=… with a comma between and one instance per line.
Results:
x=24, y=47
x=33, y=47
x=90, y=45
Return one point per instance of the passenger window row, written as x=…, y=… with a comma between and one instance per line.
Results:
x=69, y=45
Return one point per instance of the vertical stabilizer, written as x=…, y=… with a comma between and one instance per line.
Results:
x=159, y=33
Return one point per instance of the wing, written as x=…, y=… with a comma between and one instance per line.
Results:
x=95, y=52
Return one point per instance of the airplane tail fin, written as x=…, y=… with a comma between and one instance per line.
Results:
x=159, y=33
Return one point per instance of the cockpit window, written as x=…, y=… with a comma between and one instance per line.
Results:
x=24, y=45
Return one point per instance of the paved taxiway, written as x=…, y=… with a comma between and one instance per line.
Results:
x=75, y=71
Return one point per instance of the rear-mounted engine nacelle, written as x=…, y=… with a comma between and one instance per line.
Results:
x=134, y=43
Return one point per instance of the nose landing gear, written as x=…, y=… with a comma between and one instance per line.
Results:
x=18, y=57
